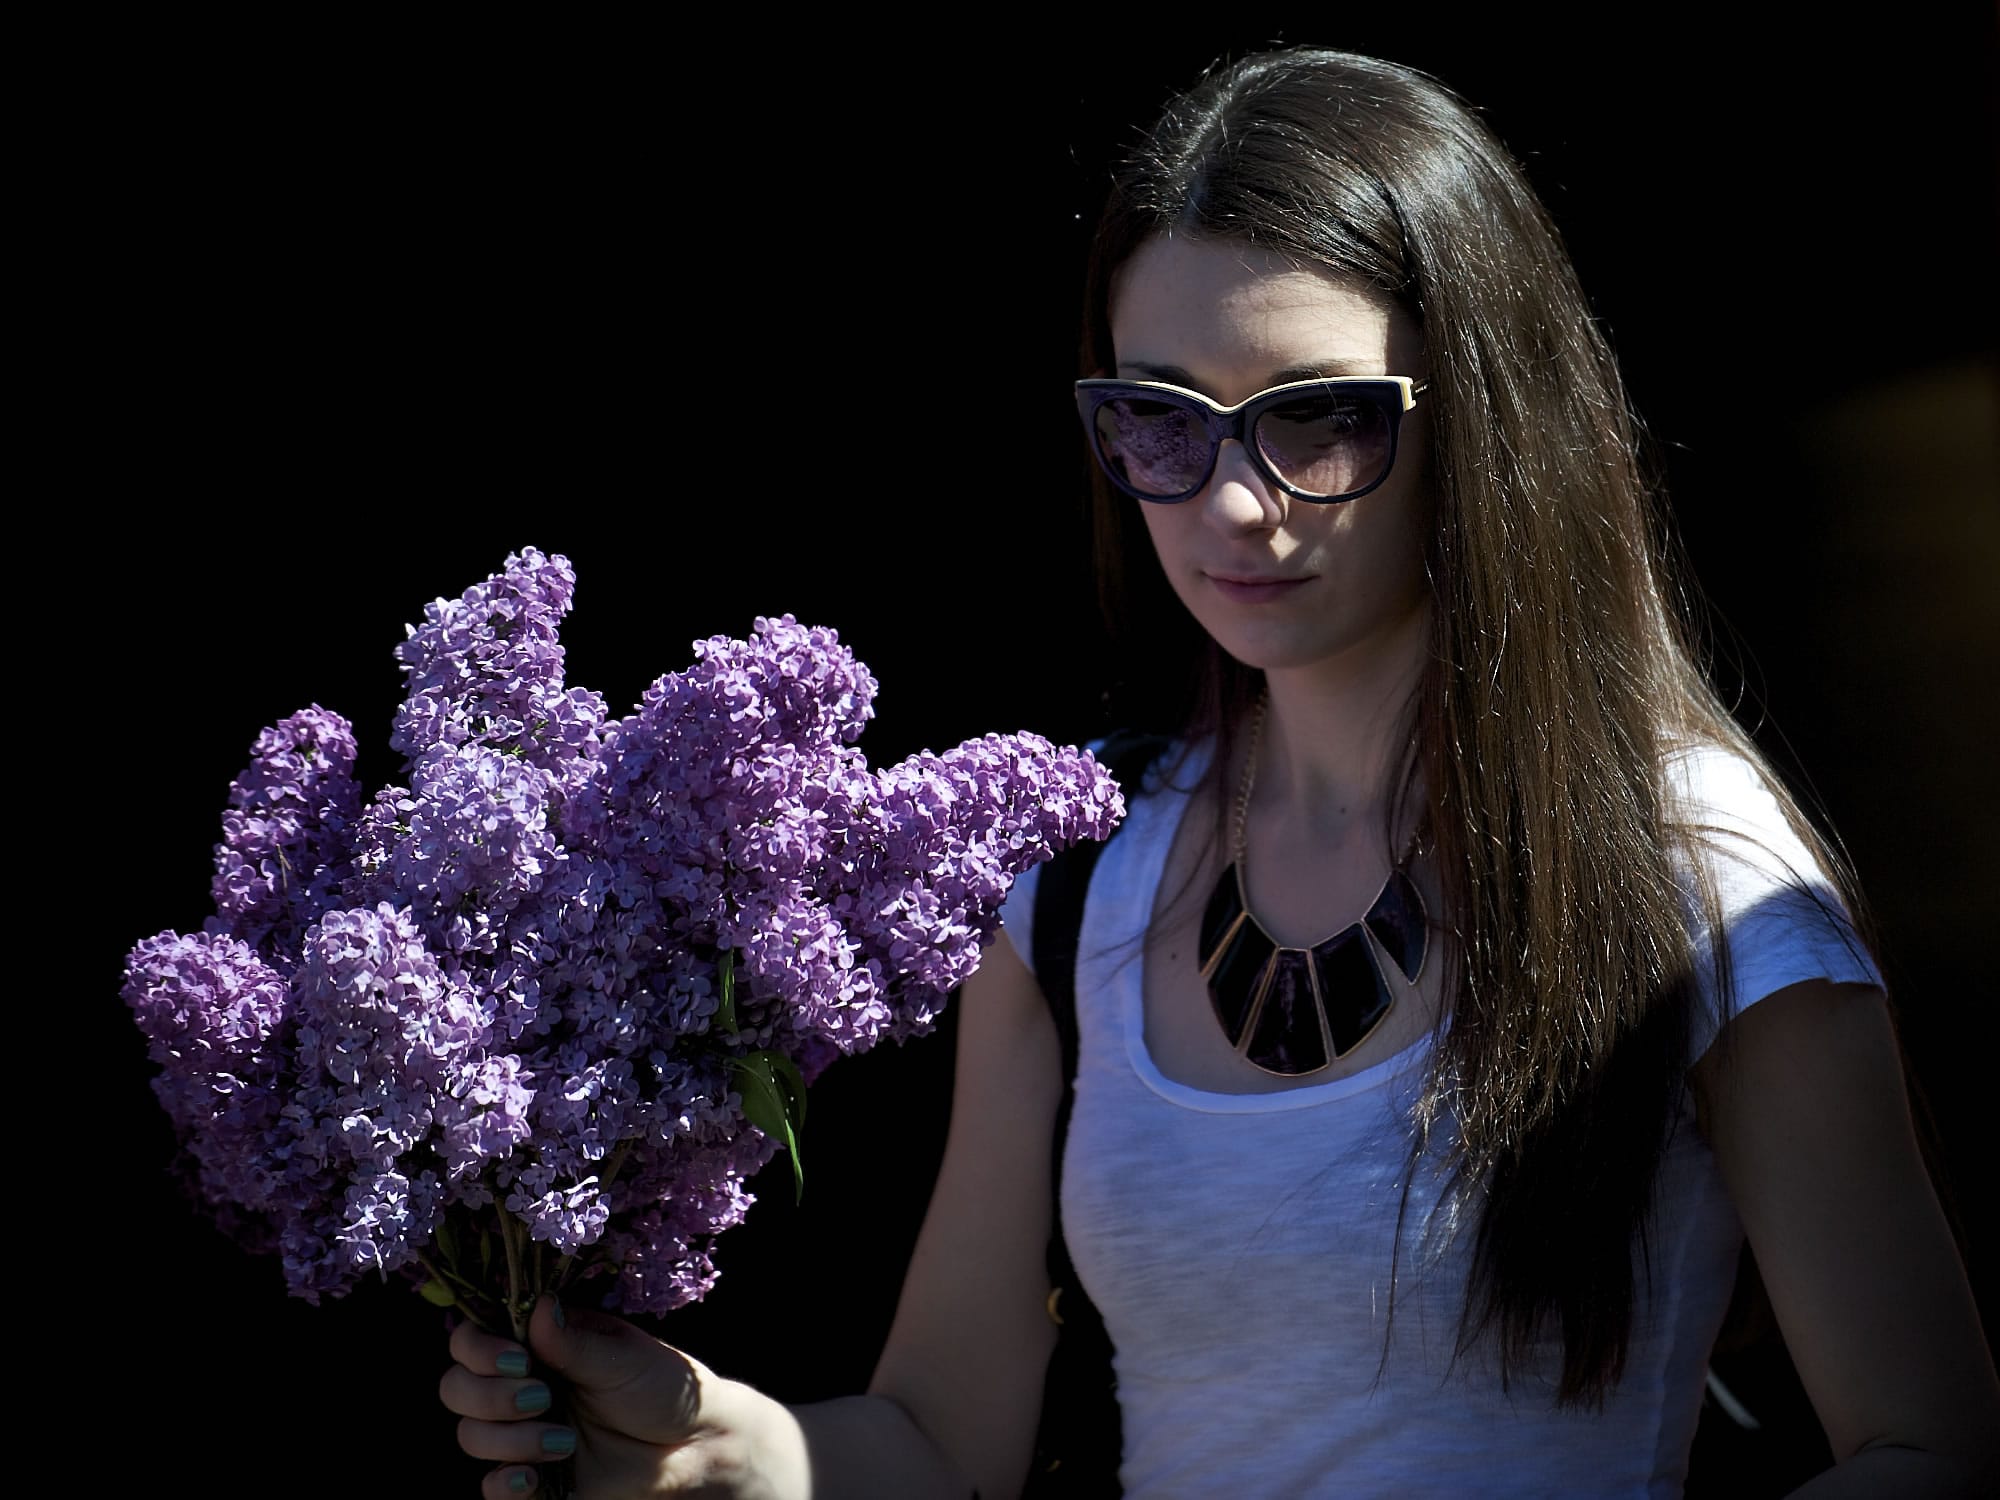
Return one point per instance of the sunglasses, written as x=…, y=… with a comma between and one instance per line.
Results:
x=1319, y=440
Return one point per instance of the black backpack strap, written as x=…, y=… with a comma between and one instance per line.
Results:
x=1080, y=1442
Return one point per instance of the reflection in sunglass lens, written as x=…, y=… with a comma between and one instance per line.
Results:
x=1161, y=449
x=1326, y=444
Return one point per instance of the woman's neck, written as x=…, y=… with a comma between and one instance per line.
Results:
x=1336, y=734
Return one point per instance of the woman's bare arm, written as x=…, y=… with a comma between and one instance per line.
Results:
x=969, y=1348
x=1811, y=1128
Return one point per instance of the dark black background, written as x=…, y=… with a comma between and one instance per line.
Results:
x=343, y=318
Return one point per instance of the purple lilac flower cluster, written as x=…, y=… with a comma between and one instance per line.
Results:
x=496, y=1016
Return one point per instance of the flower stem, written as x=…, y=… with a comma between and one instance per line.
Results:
x=613, y=1162
x=515, y=1313
x=456, y=1300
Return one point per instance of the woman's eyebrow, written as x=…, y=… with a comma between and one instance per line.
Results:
x=1171, y=374
x=1326, y=369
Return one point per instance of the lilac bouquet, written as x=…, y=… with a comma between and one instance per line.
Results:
x=535, y=1016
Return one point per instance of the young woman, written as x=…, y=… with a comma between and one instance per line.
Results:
x=1462, y=987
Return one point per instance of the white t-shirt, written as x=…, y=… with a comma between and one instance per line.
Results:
x=1238, y=1245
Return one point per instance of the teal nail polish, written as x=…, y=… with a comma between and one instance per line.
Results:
x=559, y=1441
x=512, y=1363
x=532, y=1398
x=518, y=1481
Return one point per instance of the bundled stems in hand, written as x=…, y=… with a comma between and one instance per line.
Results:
x=520, y=1305
x=517, y=1309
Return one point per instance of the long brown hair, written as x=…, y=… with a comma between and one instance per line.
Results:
x=1562, y=664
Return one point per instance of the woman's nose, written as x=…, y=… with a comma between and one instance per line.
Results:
x=1239, y=497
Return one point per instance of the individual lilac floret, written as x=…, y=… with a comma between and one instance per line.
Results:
x=287, y=833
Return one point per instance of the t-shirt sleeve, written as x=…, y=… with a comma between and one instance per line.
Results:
x=1782, y=920
x=1017, y=914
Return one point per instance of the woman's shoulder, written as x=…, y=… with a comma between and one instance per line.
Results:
x=1726, y=810
x=1756, y=873
x=1707, y=771
x=1723, y=797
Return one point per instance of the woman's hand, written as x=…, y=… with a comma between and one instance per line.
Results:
x=645, y=1419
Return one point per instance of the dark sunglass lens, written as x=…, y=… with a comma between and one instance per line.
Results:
x=1160, y=449
x=1326, y=443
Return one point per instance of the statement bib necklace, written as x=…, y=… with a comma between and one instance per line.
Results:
x=1294, y=1010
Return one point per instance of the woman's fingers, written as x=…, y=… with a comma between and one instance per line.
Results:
x=516, y=1442
x=635, y=1403
x=509, y=1483
x=486, y=1353
x=499, y=1402
x=492, y=1398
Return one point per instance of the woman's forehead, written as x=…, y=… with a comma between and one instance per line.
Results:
x=1238, y=311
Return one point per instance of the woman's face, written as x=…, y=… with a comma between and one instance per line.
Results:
x=1229, y=320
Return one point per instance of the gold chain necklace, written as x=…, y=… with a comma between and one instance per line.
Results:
x=1295, y=1010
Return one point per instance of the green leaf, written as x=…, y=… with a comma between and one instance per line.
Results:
x=788, y=1078
x=725, y=1015
x=774, y=1100
x=437, y=1294
x=447, y=1241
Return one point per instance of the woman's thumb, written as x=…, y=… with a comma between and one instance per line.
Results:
x=628, y=1379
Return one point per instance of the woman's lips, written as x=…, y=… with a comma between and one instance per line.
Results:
x=1256, y=590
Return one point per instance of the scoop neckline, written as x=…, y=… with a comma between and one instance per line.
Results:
x=1164, y=808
